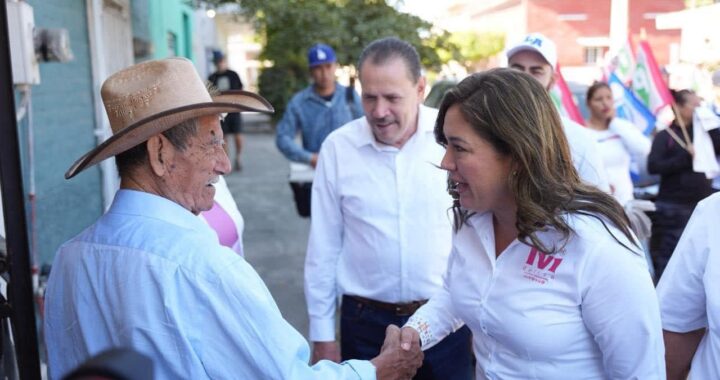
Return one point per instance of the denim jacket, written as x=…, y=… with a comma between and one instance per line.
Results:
x=314, y=118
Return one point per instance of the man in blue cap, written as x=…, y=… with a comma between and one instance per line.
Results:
x=316, y=110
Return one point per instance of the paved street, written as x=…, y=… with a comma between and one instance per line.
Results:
x=275, y=236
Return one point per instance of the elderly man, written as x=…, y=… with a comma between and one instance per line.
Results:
x=537, y=56
x=151, y=275
x=380, y=236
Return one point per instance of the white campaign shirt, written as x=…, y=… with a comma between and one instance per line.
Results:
x=585, y=154
x=689, y=290
x=380, y=226
x=621, y=144
x=587, y=312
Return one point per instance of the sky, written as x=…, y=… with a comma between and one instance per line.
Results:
x=422, y=8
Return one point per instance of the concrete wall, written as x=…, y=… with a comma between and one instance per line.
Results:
x=63, y=123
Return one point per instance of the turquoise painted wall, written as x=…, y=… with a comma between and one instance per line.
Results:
x=63, y=124
x=157, y=20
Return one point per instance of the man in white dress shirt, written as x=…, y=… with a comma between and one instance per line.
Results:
x=152, y=276
x=689, y=293
x=381, y=234
x=537, y=56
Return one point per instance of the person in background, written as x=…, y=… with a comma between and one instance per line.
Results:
x=317, y=110
x=537, y=55
x=380, y=235
x=681, y=188
x=689, y=295
x=151, y=276
x=620, y=142
x=716, y=109
x=544, y=268
x=225, y=218
x=716, y=91
x=225, y=79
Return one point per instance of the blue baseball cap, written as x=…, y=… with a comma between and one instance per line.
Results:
x=217, y=56
x=319, y=54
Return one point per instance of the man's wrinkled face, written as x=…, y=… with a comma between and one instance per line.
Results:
x=193, y=171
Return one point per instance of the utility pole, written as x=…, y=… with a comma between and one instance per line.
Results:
x=619, y=23
x=19, y=305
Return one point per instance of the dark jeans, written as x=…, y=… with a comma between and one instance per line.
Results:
x=362, y=333
x=668, y=224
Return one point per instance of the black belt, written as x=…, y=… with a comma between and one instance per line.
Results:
x=399, y=309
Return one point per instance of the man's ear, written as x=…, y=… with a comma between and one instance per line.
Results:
x=421, y=88
x=160, y=154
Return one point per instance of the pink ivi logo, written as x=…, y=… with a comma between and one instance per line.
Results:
x=542, y=260
x=540, y=267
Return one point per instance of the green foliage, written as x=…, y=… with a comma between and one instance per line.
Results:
x=474, y=48
x=287, y=28
x=278, y=84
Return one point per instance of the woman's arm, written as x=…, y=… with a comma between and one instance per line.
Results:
x=620, y=309
x=436, y=319
x=636, y=144
x=679, y=351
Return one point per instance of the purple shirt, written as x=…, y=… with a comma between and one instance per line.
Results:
x=222, y=223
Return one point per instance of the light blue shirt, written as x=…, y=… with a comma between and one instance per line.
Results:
x=152, y=276
x=314, y=117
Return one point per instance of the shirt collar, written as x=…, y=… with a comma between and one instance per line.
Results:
x=139, y=203
x=426, y=124
x=311, y=94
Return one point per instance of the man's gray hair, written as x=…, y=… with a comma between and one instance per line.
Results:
x=137, y=155
x=382, y=50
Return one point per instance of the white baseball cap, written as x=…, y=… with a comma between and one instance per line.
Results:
x=538, y=43
x=716, y=78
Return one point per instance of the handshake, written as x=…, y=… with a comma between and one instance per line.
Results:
x=400, y=355
x=399, y=358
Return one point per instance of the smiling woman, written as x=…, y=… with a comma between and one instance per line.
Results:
x=530, y=234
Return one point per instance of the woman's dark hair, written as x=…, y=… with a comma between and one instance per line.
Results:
x=515, y=114
x=681, y=96
x=593, y=89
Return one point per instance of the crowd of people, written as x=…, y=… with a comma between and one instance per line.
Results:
x=488, y=239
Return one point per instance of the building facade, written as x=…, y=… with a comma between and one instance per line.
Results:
x=584, y=31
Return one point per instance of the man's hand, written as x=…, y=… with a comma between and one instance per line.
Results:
x=325, y=351
x=400, y=356
x=409, y=338
x=313, y=160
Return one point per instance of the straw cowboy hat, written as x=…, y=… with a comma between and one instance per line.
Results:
x=152, y=97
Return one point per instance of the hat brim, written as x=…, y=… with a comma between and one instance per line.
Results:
x=318, y=63
x=142, y=130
